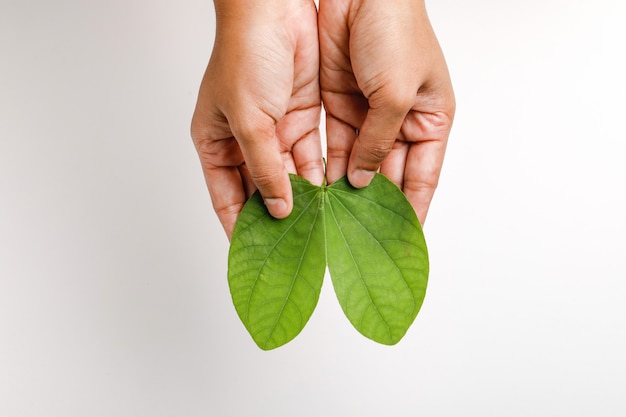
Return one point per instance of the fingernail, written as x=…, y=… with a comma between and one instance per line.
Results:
x=362, y=178
x=277, y=207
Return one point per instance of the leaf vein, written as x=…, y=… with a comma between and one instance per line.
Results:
x=356, y=265
x=377, y=242
x=374, y=202
x=295, y=276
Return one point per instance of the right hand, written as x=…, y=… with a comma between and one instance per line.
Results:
x=387, y=94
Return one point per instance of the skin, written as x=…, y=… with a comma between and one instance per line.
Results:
x=387, y=94
x=384, y=84
x=258, y=111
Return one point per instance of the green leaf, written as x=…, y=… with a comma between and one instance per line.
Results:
x=276, y=267
x=377, y=257
x=376, y=252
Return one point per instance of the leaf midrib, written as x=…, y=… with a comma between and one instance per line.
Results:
x=293, y=281
x=357, y=268
x=377, y=242
x=369, y=200
x=258, y=274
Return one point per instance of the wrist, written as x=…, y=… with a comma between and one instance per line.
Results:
x=254, y=8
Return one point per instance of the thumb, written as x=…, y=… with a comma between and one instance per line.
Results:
x=375, y=140
x=259, y=146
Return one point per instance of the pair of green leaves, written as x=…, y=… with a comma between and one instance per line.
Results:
x=371, y=239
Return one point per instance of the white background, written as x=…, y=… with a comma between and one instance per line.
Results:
x=113, y=292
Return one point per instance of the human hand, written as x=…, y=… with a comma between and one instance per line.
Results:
x=387, y=94
x=258, y=109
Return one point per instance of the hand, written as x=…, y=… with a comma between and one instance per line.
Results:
x=387, y=94
x=258, y=110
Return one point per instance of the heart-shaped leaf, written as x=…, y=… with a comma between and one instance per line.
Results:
x=376, y=253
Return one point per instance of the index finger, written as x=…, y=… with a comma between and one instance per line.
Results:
x=376, y=138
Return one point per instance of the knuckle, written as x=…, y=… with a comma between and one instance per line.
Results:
x=198, y=130
x=446, y=108
x=226, y=212
x=395, y=99
x=224, y=152
x=376, y=151
x=426, y=183
x=252, y=129
x=310, y=165
x=425, y=186
x=338, y=153
x=439, y=124
x=401, y=102
x=266, y=178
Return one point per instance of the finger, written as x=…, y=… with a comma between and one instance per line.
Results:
x=259, y=146
x=340, y=139
x=219, y=159
x=227, y=194
x=344, y=104
x=344, y=114
x=375, y=140
x=307, y=155
x=421, y=176
x=394, y=165
x=248, y=185
x=299, y=135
